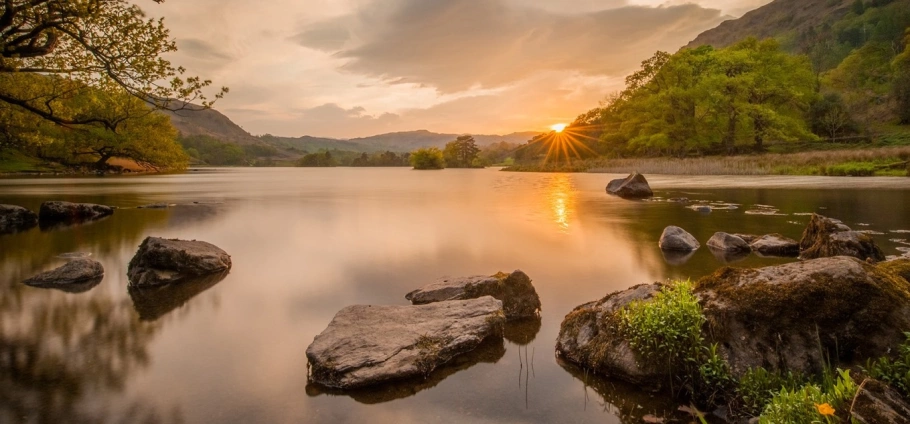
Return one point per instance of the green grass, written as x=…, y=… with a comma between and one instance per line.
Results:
x=14, y=161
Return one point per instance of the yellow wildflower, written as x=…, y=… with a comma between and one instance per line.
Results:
x=825, y=409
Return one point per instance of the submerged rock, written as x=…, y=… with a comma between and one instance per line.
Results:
x=876, y=402
x=164, y=261
x=519, y=299
x=775, y=245
x=728, y=243
x=590, y=336
x=792, y=317
x=826, y=237
x=67, y=212
x=75, y=276
x=677, y=239
x=367, y=344
x=635, y=186
x=14, y=219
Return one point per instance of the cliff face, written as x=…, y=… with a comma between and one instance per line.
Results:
x=774, y=19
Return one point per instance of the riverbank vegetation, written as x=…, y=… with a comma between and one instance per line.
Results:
x=80, y=81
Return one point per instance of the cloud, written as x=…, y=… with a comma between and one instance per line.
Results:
x=457, y=45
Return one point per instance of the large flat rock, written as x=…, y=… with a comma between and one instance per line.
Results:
x=67, y=212
x=519, y=299
x=162, y=261
x=370, y=344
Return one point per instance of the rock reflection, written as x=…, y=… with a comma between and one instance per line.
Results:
x=628, y=403
x=728, y=257
x=70, y=288
x=53, y=225
x=153, y=303
x=522, y=332
x=677, y=258
x=490, y=351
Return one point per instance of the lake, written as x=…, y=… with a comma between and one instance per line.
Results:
x=307, y=242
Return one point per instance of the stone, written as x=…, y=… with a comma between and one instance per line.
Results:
x=876, y=402
x=162, y=261
x=75, y=276
x=154, y=206
x=775, y=245
x=748, y=238
x=826, y=237
x=590, y=336
x=519, y=299
x=728, y=243
x=14, y=219
x=792, y=317
x=677, y=239
x=899, y=267
x=635, y=186
x=67, y=212
x=367, y=344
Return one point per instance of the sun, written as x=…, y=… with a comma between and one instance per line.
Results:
x=558, y=127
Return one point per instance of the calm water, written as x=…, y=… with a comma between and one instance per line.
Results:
x=307, y=242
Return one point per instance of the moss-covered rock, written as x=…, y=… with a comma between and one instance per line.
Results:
x=825, y=237
x=876, y=402
x=899, y=267
x=591, y=336
x=792, y=317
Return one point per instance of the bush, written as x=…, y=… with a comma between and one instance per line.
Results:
x=758, y=386
x=427, y=158
x=811, y=403
x=895, y=372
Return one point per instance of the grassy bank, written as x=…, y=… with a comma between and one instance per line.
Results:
x=13, y=161
x=882, y=161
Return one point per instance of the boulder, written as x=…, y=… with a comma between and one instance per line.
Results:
x=16, y=218
x=72, y=212
x=635, y=186
x=748, y=238
x=775, y=245
x=367, y=344
x=876, y=402
x=792, y=317
x=164, y=261
x=825, y=237
x=590, y=336
x=677, y=239
x=728, y=243
x=519, y=299
x=899, y=267
x=76, y=276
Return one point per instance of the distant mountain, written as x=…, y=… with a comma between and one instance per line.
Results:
x=196, y=120
x=774, y=20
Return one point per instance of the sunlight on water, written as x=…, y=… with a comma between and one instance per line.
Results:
x=561, y=195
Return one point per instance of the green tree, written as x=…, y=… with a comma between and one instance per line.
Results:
x=95, y=43
x=461, y=152
x=427, y=158
x=901, y=83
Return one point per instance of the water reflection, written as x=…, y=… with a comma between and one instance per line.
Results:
x=561, y=197
x=729, y=257
x=490, y=351
x=676, y=257
x=522, y=332
x=153, y=303
x=80, y=287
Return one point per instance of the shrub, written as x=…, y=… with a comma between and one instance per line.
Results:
x=895, y=372
x=811, y=403
x=758, y=386
x=427, y=158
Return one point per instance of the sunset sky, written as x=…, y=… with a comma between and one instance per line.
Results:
x=351, y=68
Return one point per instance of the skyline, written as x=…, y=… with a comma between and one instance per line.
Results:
x=354, y=68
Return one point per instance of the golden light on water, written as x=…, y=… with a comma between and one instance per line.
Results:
x=558, y=127
x=561, y=199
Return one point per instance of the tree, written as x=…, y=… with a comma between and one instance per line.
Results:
x=427, y=158
x=830, y=117
x=461, y=153
x=901, y=83
x=107, y=44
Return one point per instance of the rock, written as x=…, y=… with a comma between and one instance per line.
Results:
x=702, y=208
x=899, y=267
x=635, y=186
x=679, y=200
x=677, y=239
x=825, y=237
x=791, y=317
x=748, y=238
x=164, y=261
x=876, y=402
x=75, y=276
x=519, y=299
x=589, y=336
x=154, y=206
x=775, y=245
x=366, y=345
x=728, y=243
x=14, y=219
x=72, y=212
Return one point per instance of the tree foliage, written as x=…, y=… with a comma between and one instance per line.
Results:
x=103, y=44
x=427, y=158
x=462, y=153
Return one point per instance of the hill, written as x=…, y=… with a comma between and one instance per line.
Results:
x=195, y=120
x=774, y=20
